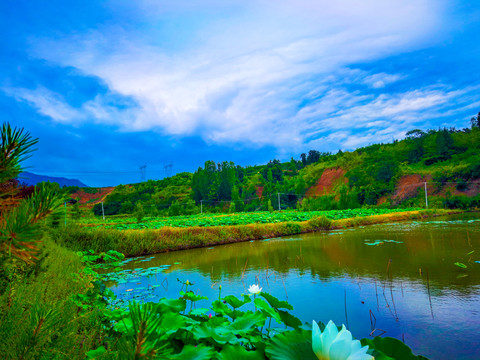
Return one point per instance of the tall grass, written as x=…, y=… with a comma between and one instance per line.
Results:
x=38, y=316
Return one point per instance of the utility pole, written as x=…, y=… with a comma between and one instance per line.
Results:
x=426, y=196
x=167, y=168
x=103, y=212
x=279, y=209
x=201, y=206
x=143, y=170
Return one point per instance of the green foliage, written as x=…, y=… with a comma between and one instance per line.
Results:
x=461, y=202
x=208, y=220
x=139, y=213
x=19, y=229
x=154, y=331
x=15, y=147
x=39, y=316
x=321, y=222
x=76, y=212
x=372, y=174
x=389, y=348
x=292, y=345
x=269, y=206
x=108, y=259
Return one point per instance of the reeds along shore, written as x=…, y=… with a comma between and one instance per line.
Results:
x=143, y=242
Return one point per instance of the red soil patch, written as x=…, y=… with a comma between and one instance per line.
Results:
x=327, y=182
x=87, y=198
x=408, y=186
x=259, y=191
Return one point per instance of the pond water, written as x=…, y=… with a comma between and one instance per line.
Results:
x=398, y=279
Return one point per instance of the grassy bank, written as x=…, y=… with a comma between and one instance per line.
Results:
x=41, y=310
x=151, y=241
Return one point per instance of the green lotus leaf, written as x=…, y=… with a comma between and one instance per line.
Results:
x=237, y=352
x=170, y=322
x=390, y=348
x=190, y=295
x=97, y=353
x=289, y=319
x=124, y=326
x=199, y=312
x=235, y=302
x=267, y=309
x=204, y=331
x=275, y=303
x=173, y=305
x=291, y=345
x=191, y=352
x=246, y=322
x=220, y=308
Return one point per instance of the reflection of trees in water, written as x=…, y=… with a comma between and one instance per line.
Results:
x=323, y=256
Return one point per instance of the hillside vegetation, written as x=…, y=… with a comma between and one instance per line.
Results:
x=387, y=175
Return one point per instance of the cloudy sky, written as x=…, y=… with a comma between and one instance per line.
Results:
x=108, y=86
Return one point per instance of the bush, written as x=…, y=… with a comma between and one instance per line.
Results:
x=139, y=213
x=320, y=222
x=457, y=202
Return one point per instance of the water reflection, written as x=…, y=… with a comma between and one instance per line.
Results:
x=409, y=288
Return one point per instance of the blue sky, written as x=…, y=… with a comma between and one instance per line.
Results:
x=110, y=85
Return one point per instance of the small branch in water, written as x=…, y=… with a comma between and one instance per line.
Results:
x=393, y=301
x=374, y=322
x=284, y=287
x=429, y=297
x=386, y=275
x=345, y=301
x=166, y=288
x=244, y=268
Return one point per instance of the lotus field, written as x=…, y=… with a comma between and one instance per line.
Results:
x=207, y=220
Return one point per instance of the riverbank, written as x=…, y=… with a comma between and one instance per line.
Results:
x=151, y=241
x=50, y=309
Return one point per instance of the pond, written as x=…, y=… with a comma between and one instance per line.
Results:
x=399, y=280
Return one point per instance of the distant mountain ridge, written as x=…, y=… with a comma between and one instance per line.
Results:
x=29, y=178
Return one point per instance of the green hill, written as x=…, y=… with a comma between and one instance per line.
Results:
x=387, y=175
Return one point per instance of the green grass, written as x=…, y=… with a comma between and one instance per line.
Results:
x=151, y=241
x=39, y=318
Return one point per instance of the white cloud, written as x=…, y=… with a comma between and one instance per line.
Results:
x=380, y=80
x=46, y=102
x=258, y=72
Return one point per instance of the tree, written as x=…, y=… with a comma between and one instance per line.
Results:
x=303, y=156
x=475, y=121
x=139, y=212
x=313, y=156
x=444, y=143
x=415, y=134
x=19, y=230
x=269, y=205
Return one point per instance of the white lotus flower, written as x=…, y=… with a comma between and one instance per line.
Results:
x=332, y=344
x=254, y=289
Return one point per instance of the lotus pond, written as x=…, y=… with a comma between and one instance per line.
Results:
x=417, y=281
x=205, y=220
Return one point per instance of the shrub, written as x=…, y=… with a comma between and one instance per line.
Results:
x=320, y=222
